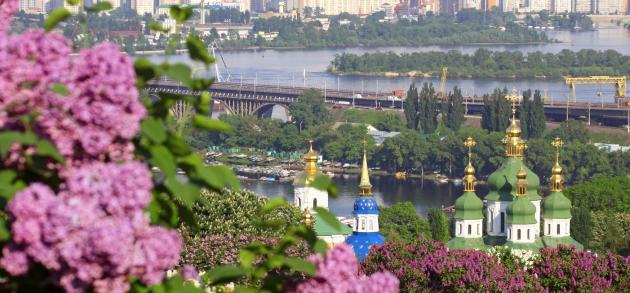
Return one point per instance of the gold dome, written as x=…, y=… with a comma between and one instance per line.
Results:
x=521, y=181
x=308, y=218
x=522, y=174
x=469, y=170
x=469, y=178
x=310, y=158
x=557, y=169
x=513, y=130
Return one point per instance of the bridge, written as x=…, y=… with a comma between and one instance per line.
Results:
x=254, y=99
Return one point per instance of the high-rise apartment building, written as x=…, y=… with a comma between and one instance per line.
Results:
x=583, y=6
x=538, y=5
x=143, y=7
x=335, y=7
x=610, y=7
x=562, y=6
x=33, y=6
x=510, y=5
x=463, y=4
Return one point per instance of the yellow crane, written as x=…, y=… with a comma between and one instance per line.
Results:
x=618, y=81
x=442, y=88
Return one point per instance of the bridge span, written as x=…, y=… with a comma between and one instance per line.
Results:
x=253, y=99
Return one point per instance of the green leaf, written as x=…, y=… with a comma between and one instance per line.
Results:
x=145, y=71
x=73, y=2
x=218, y=177
x=241, y=289
x=158, y=28
x=323, y=182
x=197, y=50
x=210, y=124
x=55, y=17
x=179, y=13
x=163, y=159
x=300, y=265
x=4, y=230
x=47, y=149
x=273, y=204
x=60, y=89
x=204, y=102
x=176, y=284
x=153, y=129
x=188, y=193
x=329, y=218
x=224, y=274
x=178, y=146
x=179, y=72
x=247, y=257
x=100, y=6
x=163, y=211
x=320, y=246
x=9, y=138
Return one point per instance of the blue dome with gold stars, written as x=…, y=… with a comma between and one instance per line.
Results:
x=365, y=205
x=362, y=241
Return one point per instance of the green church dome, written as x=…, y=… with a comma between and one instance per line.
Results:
x=502, y=182
x=556, y=206
x=521, y=211
x=468, y=207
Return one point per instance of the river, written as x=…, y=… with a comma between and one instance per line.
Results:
x=287, y=67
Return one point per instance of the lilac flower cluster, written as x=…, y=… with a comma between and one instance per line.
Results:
x=568, y=269
x=98, y=115
x=338, y=271
x=427, y=265
x=93, y=232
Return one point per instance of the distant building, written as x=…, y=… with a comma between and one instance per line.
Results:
x=610, y=7
x=143, y=7
x=609, y=147
x=336, y=7
x=510, y=5
x=562, y=6
x=582, y=6
x=33, y=6
x=476, y=4
x=538, y=5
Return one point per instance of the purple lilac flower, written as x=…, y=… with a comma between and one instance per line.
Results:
x=7, y=9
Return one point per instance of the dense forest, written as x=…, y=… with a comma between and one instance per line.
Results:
x=484, y=63
x=470, y=27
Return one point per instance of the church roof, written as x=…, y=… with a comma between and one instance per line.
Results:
x=365, y=205
x=468, y=207
x=502, y=182
x=323, y=228
x=553, y=242
x=362, y=241
x=556, y=206
x=521, y=212
x=466, y=243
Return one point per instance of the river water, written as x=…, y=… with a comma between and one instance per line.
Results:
x=289, y=67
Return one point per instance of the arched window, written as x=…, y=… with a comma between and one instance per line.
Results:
x=527, y=234
x=363, y=224
x=502, y=222
x=314, y=203
x=469, y=229
x=460, y=229
x=299, y=202
x=558, y=229
x=477, y=229
x=491, y=221
x=548, y=229
x=518, y=234
x=371, y=224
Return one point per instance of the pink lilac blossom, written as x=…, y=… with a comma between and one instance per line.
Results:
x=337, y=272
x=94, y=121
x=7, y=9
x=93, y=233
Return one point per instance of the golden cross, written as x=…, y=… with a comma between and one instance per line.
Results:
x=557, y=143
x=513, y=97
x=470, y=143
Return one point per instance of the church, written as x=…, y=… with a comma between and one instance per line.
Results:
x=515, y=212
x=364, y=231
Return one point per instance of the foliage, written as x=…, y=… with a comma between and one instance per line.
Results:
x=400, y=223
x=484, y=63
x=581, y=225
x=601, y=194
x=385, y=121
x=309, y=110
x=453, y=109
x=428, y=266
x=266, y=134
x=421, y=109
x=568, y=269
x=571, y=131
x=611, y=232
x=346, y=144
x=532, y=115
x=496, y=111
x=438, y=224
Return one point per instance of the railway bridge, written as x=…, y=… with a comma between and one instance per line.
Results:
x=254, y=99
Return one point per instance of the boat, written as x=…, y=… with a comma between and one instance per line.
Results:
x=400, y=175
x=266, y=178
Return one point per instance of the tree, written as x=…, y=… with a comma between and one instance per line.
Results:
x=427, y=108
x=400, y=223
x=525, y=113
x=570, y=131
x=581, y=224
x=310, y=110
x=439, y=225
x=537, y=123
x=412, y=107
x=496, y=111
x=453, y=114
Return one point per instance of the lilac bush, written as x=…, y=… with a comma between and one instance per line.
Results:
x=568, y=269
x=338, y=271
x=88, y=227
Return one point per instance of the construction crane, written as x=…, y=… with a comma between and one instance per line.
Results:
x=618, y=81
x=442, y=88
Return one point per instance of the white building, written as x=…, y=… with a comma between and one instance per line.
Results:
x=582, y=6
x=610, y=7
x=336, y=7
x=561, y=6
x=33, y=6
x=143, y=7
x=470, y=4
x=538, y=5
x=510, y=5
